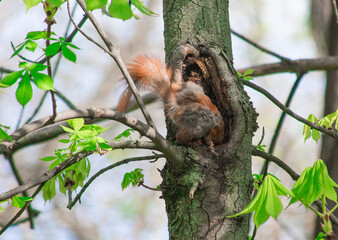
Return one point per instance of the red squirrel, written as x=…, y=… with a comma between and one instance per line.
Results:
x=185, y=103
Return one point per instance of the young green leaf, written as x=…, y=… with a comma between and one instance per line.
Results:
x=17, y=202
x=31, y=45
x=4, y=135
x=49, y=189
x=143, y=9
x=24, y=65
x=67, y=53
x=313, y=184
x=43, y=81
x=49, y=158
x=76, y=123
x=125, y=133
x=248, y=72
x=133, y=177
x=315, y=135
x=36, y=35
x=95, y=4
x=120, y=9
x=53, y=49
x=31, y=3
x=56, y=3
x=11, y=78
x=24, y=92
x=266, y=203
x=36, y=67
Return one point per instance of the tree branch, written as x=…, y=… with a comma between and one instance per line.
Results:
x=297, y=66
x=103, y=170
x=256, y=45
x=93, y=113
x=288, y=111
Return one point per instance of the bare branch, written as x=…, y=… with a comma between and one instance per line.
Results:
x=279, y=162
x=103, y=170
x=256, y=45
x=288, y=111
x=163, y=145
x=335, y=10
x=297, y=66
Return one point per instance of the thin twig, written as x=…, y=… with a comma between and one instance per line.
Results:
x=20, y=182
x=2, y=230
x=288, y=111
x=273, y=142
x=103, y=170
x=150, y=188
x=49, y=70
x=260, y=47
x=115, y=54
x=20, y=118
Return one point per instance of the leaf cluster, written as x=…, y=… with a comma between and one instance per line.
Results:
x=327, y=122
x=133, y=178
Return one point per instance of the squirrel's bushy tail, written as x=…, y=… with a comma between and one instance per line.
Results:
x=147, y=73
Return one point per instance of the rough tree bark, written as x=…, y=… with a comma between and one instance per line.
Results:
x=209, y=185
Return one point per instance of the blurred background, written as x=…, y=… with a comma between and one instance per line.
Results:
x=107, y=212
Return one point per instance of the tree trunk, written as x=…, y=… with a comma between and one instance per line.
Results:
x=325, y=29
x=210, y=184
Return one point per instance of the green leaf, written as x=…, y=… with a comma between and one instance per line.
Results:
x=17, y=202
x=31, y=3
x=321, y=236
x=313, y=184
x=36, y=67
x=133, y=177
x=11, y=78
x=76, y=123
x=31, y=45
x=24, y=92
x=125, y=133
x=43, y=81
x=266, y=203
x=4, y=135
x=71, y=45
x=126, y=181
x=53, y=49
x=67, y=53
x=36, y=35
x=56, y=3
x=307, y=129
x=142, y=8
x=239, y=74
x=49, y=158
x=315, y=135
x=49, y=189
x=248, y=72
x=95, y=4
x=67, y=129
x=120, y=9
x=24, y=65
